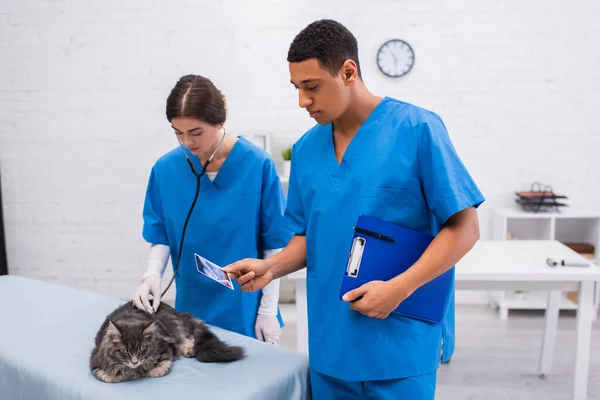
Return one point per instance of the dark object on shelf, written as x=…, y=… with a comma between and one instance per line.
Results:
x=540, y=197
x=537, y=195
x=581, y=248
x=3, y=261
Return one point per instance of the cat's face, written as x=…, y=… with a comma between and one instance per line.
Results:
x=130, y=345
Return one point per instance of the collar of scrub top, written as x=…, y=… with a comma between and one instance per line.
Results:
x=207, y=161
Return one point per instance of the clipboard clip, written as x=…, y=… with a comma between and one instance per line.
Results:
x=355, y=256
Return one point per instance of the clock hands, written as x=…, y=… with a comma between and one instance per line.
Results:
x=402, y=54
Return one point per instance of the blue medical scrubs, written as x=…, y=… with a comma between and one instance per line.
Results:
x=400, y=166
x=238, y=215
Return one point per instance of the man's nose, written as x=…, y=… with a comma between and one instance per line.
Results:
x=304, y=100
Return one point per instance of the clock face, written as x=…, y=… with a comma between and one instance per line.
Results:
x=395, y=58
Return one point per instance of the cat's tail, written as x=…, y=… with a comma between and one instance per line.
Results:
x=209, y=348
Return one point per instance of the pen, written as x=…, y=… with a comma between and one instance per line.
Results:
x=553, y=263
x=371, y=233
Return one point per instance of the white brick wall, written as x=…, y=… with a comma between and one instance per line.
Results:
x=83, y=87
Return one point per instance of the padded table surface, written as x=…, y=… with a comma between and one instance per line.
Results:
x=47, y=333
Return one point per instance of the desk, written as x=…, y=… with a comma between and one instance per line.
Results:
x=47, y=334
x=517, y=265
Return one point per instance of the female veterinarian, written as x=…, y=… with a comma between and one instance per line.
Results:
x=238, y=213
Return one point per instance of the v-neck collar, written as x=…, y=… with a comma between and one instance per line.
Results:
x=354, y=148
x=220, y=182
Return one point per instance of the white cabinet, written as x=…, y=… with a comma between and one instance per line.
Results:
x=568, y=226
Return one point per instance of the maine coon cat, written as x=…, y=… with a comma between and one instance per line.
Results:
x=132, y=343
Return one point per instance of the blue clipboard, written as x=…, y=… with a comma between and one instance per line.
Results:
x=382, y=250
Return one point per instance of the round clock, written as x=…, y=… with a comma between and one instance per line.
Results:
x=395, y=58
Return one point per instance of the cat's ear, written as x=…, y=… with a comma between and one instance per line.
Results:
x=113, y=332
x=157, y=330
x=149, y=331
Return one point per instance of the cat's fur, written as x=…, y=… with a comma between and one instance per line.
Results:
x=132, y=343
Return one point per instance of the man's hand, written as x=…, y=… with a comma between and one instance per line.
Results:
x=252, y=274
x=376, y=299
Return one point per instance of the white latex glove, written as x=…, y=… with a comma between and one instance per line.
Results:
x=267, y=329
x=157, y=262
x=150, y=284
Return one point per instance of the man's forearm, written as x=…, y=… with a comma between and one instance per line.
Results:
x=291, y=259
x=447, y=248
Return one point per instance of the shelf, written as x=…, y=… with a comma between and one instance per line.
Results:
x=516, y=212
x=539, y=228
x=568, y=225
x=530, y=301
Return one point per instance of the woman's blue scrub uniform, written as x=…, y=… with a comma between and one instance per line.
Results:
x=238, y=215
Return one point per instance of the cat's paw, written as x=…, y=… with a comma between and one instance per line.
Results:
x=188, y=348
x=105, y=377
x=161, y=369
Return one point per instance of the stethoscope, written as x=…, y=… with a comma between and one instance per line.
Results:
x=198, y=176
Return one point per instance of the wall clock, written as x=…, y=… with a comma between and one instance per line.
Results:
x=395, y=58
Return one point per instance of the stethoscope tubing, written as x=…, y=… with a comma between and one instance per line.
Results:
x=198, y=176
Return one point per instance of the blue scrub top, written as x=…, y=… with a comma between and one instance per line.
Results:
x=238, y=215
x=400, y=166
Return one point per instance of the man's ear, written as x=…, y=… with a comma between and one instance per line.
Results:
x=349, y=72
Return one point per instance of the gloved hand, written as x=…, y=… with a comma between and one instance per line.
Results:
x=150, y=284
x=267, y=329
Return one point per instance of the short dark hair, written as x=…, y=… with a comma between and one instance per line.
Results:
x=330, y=42
x=195, y=96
